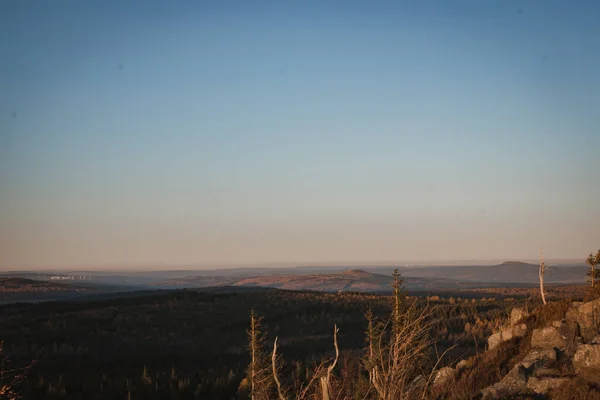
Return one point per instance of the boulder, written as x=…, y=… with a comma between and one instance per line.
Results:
x=548, y=338
x=557, y=324
x=539, y=358
x=444, y=375
x=545, y=385
x=516, y=315
x=462, y=364
x=506, y=334
x=514, y=382
x=587, y=362
x=586, y=318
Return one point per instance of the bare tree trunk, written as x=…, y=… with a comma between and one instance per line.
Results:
x=274, y=365
x=370, y=339
x=326, y=379
x=542, y=271
x=253, y=362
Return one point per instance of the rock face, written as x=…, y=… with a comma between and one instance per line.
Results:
x=585, y=318
x=514, y=382
x=587, y=362
x=548, y=338
x=545, y=385
x=575, y=339
x=506, y=334
x=516, y=315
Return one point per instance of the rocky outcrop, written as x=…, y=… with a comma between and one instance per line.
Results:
x=545, y=385
x=516, y=315
x=574, y=341
x=587, y=361
x=506, y=334
x=585, y=318
x=514, y=382
x=444, y=375
x=548, y=338
x=538, y=359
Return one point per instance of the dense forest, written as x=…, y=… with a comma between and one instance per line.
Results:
x=191, y=344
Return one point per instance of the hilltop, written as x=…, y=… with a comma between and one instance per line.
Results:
x=349, y=280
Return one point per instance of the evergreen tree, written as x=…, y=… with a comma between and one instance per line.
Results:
x=399, y=301
x=145, y=377
x=258, y=376
x=593, y=260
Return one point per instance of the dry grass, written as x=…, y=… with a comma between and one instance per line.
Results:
x=576, y=389
x=485, y=370
x=554, y=311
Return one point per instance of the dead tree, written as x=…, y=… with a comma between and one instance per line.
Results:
x=10, y=377
x=280, y=393
x=327, y=393
x=398, y=357
x=322, y=373
x=542, y=271
x=397, y=353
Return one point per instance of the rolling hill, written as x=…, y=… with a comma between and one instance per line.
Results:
x=507, y=274
x=348, y=280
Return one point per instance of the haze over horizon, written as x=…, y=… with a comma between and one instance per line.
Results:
x=242, y=133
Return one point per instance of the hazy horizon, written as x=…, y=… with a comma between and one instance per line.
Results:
x=290, y=265
x=247, y=133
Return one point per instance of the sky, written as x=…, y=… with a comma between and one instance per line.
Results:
x=221, y=133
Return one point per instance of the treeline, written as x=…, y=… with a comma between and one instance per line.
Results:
x=192, y=345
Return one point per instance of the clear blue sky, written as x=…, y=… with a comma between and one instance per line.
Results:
x=210, y=133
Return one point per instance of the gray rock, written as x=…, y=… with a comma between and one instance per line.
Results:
x=444, y=375
x=506, y=334
x=587, y=362
x=514, y=382
x=545, y=385
x=516, y=315
x=539, y=358
x=548, y=338
x=586, y=318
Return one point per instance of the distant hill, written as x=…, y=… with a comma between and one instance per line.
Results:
x=18, y=289
x=20, y=285
x=507, y=272
x=349, y=280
